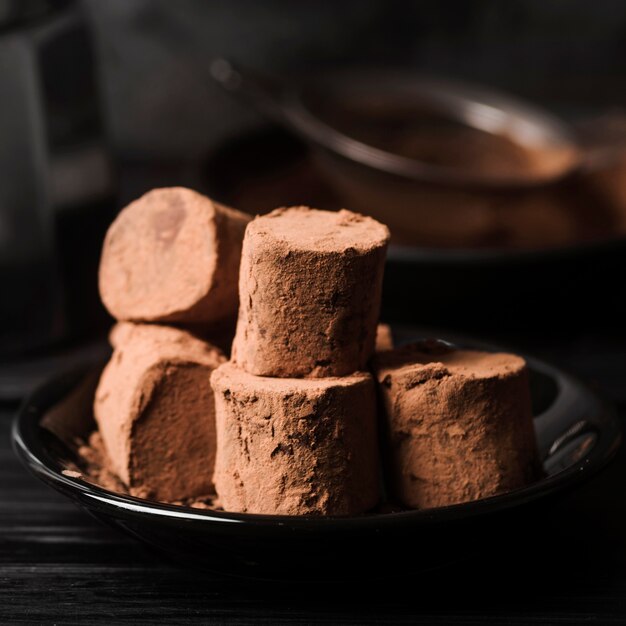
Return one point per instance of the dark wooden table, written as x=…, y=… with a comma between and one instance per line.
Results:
x=57, y=565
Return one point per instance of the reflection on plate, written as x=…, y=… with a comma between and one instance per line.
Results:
x=577, y=434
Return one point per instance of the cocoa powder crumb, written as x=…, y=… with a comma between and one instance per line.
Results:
x=93, y=466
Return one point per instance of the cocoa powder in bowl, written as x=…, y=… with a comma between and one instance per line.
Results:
x=572, y=211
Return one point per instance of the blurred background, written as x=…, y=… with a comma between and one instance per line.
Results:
x=565, y=55
x=488, y=135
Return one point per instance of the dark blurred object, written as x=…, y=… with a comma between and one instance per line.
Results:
x=56, y=184
x=262, y=170
x=469, y=253
x=442, y=163
x=508, y=288
x=608, y=133
x=419, y=128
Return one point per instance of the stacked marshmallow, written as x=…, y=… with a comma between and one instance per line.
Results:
x=295, y=407
x=171, y=257
x=288, y=425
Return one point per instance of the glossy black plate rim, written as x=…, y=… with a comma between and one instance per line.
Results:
x=33, y=453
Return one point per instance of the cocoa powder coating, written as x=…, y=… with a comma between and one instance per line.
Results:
x=309, y=287
x=459, y=424
x=172, y=256
x=295, y=446
x=155, y=411
x=219, y=334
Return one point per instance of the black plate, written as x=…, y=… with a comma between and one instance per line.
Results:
x=577, y=433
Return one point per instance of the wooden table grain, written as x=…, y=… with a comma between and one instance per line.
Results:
x=60, y=566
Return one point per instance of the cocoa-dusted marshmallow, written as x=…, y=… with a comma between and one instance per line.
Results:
x=459, y=423
x=172, y=256
x=219, y=334
x=309, y=290
x=155, y=411
x=295, y=446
